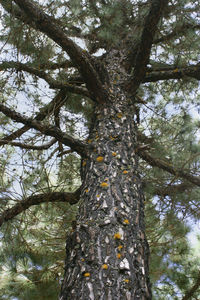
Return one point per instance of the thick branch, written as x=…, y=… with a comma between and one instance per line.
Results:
x=26, y=146
x=155, y=162
x=54, y=84
x=193, y=289
x=10, y=213
x=146, y=41
x=67, y=140
x=80, y=59
x=16, y=12
x=173, y=73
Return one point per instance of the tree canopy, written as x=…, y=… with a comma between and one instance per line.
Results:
x=51, y=58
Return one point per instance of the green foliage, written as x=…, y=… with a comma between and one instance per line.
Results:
x=32, y=262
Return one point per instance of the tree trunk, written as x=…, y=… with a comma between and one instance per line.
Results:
x=107, y=253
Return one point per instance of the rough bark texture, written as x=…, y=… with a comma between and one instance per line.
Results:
x=107, y=253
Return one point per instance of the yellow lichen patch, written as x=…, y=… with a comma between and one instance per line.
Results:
x=119, y=255
x=114, y=153
x=105, y=266
x=104, y=184
x=113, y=138
x=86, y=190
x=175, y=70
x=125, y=172
x=126, y=280
x=126, y=221
x=119, y=115
x=117, y=236
x=83, y=163
x=120, y=247
x=87, y=274
x=99, y=158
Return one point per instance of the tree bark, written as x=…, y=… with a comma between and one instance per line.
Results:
x=107, y=253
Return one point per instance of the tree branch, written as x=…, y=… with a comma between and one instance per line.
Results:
x=155, y=162
x=171, y=189
x=146, y=41
x=181, y=30
x=57, y=101
x=67, y=140
x=26, y=146
x=193, y=289
x=15, y=11
x=80, y=58
x=10, y=213
x=54, y=66
x=173, y=73
x=54, y=84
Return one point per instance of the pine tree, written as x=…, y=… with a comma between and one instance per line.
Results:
x=106, y=92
